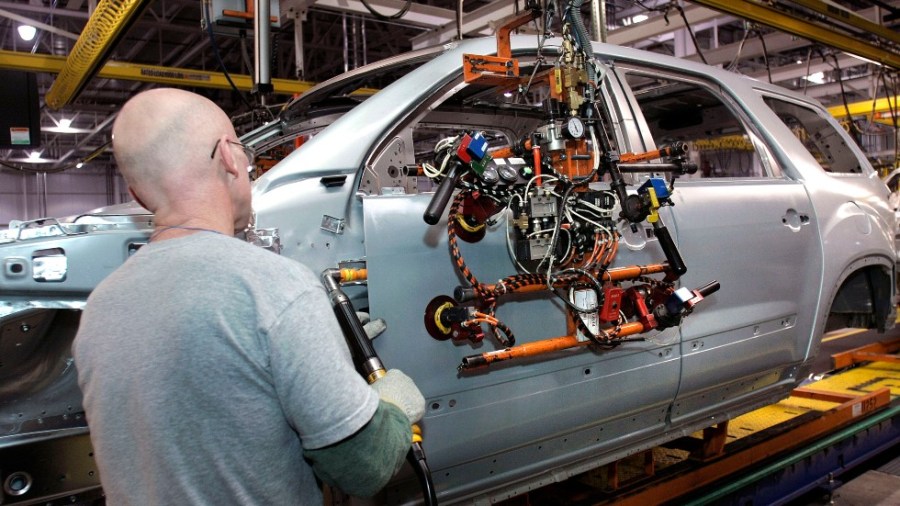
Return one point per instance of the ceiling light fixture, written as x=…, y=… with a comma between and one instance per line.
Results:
x=816, y=78
x=65, y=123
x=27, y=32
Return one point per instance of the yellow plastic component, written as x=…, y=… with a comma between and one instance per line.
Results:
x=465, y=226
x=557, y=81
x=437, y=317
x=416, y=433
x=654, y=206
x=354, y=275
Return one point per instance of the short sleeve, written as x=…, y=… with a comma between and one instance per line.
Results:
x=323, y=397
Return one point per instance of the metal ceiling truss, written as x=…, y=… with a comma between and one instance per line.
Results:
x=325, y=48
x=884, y=50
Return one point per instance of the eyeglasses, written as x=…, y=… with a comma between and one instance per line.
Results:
x=248, y=151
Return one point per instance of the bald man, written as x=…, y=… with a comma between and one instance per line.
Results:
x=213, y=371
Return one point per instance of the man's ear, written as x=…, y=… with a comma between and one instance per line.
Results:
x=228, y=160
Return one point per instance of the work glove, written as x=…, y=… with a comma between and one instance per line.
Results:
x=373, y=328
x=398, y=389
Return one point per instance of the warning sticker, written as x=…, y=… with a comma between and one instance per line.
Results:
x=19, y=135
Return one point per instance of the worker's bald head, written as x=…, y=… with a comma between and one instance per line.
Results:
x=162, y=139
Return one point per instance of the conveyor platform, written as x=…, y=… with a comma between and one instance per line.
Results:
x=768, y=456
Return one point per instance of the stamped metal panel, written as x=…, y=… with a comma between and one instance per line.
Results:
x=512, y=421
x=305, y=213
x=857, y=227
x=759, y=238
x=38, y=385
x=88, y=259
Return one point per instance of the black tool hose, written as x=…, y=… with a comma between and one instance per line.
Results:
x=416, y=458
x=438, y=203
x=370, y=366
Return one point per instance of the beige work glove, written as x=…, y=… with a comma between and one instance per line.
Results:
x=399, y=389
x=373, y=328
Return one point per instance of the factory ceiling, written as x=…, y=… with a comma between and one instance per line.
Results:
x=841, y=53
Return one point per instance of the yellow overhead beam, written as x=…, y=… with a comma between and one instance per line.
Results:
x=851, y=18
x=148, y=73
x=769, y=16
x=865, y=107
x=103, y=29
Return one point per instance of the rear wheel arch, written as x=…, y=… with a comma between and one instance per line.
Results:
x=863, y=296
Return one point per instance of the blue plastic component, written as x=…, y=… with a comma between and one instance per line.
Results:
x=478, y=147
x=675, y=303
x=659, y=186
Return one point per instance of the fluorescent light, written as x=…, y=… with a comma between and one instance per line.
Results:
x=27, y=32
x=637, y=18
x=34, y=155
x=65, y=123
x=816, y=78
x=79, y=165
x=861, y=58
x=507, y=94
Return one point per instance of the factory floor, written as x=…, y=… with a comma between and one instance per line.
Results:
x=804, y=420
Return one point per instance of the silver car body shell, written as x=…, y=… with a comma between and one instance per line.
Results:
x=781, y=247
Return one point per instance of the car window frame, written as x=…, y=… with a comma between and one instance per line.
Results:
x=866, y=169
x=771, y=166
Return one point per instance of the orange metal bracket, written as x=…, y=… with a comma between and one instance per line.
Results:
x=876, y=352
x=613, y=480
x=500, y=69
x=248, y=14
x=733, y=462
x=713, y=442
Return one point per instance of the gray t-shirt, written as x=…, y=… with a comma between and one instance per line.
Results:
x=206, y=364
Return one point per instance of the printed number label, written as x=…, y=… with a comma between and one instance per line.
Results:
x=863, y=407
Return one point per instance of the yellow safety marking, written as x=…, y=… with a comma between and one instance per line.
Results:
x=858, y=381
x=863, y=379
x=844, y=334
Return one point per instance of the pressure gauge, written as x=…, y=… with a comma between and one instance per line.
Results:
x=490, y=175
x=574, y=128
x=507, y=174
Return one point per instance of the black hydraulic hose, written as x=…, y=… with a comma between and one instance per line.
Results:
x=372, y=369
x=416, y=458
